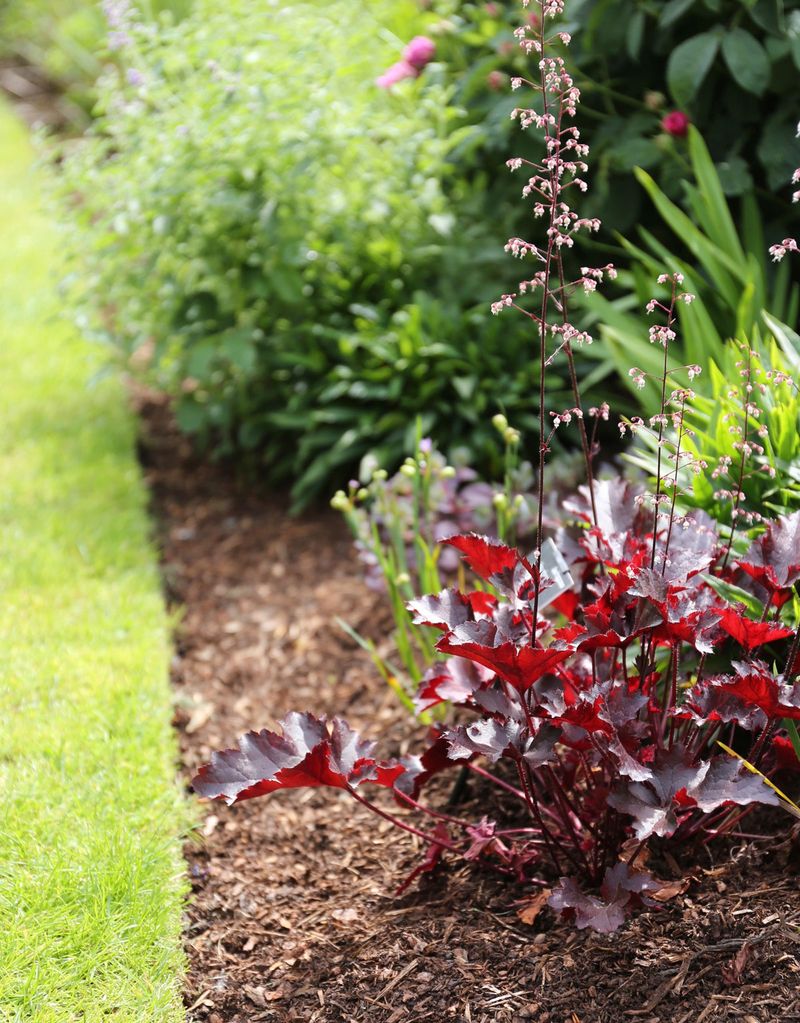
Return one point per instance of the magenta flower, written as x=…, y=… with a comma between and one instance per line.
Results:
x=419, y=52
x=396, y=73
x=676, y=124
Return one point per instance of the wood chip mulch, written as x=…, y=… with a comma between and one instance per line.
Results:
x=292, y=916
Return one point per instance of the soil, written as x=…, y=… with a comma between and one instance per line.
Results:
x=292, y=915
x=36, y=98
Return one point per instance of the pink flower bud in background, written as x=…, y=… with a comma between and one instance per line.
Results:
x=396, y=73
x=491, y=9
x=676, y=124
x=419, y=52
x=496, y=80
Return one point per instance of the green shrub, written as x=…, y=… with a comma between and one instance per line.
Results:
x=67, y=40
x=730, y=65
x=725, y=265
x=265, y=227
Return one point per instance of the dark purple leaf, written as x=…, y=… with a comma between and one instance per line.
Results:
x=774, y=558
x=454, y=681
x=487, y=738
x=621, y=890
x=310, y=752
x=754, y=687
x=445, y=610
x=727, y=781
x=418, y=769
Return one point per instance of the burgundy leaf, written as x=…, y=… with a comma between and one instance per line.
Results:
x=651, y=586
x=487, y=738
x=454, y=681
x=774, y=558
x=444, y=611
x=418, y=769
x=694, y=547
x=621, y=889
x=785, y=757
x=483, y=839
x=755, y=687
x=588, y=910
x=727, y=781
x=750, y=634
x=714, y=699
x=651, y=804
x=309, y=752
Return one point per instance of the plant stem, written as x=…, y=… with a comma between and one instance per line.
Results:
x=430, y=839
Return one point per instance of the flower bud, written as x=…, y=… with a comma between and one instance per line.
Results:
x=500, y=500
x=499, y=422
x=654, y=100
x=408, y=470
x=403, y=579
x=676, y=123
x=511, y=436
x=362, y=494
x=339, y=501
x=448, y=472
x=380, y=474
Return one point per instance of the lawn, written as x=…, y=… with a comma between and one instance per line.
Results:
x=91, y=884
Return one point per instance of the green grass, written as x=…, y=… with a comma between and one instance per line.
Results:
x=91, y=885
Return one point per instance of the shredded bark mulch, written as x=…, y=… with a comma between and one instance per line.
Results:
x=292, y=916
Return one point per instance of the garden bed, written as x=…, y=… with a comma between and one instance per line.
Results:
x=292, y=916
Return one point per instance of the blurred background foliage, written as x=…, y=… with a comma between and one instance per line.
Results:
x=306, y=260
x=67, y=41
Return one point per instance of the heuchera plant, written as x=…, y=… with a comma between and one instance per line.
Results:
x=600, y=721
x=398, y=524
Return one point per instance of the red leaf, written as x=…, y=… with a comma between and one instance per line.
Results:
x=484, y=556
x=520, y=667
x=785, y=757
x=750, y=634
x=755, y=687
x=417, y=770
x=308, y=753
x=454, y=681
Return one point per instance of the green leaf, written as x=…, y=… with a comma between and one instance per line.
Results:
x=769, y=15
x=729, y=591
x=724, y=271
x=719, y=223
x=734, y=176
x=672, y=11
x=689, y=64
x=747, y=60
x=635, y=34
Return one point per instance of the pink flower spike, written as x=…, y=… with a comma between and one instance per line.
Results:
x=396, y=73
x=676, y=123
x=419, y=52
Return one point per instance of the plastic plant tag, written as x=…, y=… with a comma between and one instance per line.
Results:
x=554, y=568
